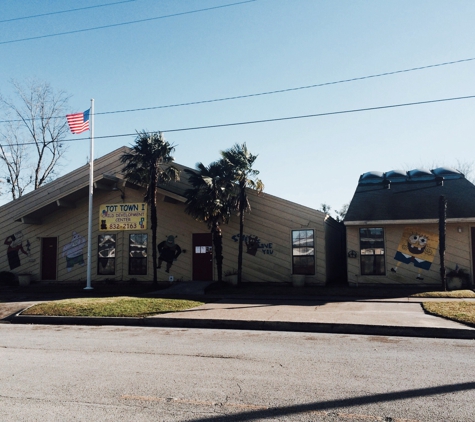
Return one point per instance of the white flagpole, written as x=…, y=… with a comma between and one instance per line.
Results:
x=91, y=191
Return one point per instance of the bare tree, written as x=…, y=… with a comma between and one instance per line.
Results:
x=466, y=167
x=31, y=135
x=325, y=208
x=340, y=215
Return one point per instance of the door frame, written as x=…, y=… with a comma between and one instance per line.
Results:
x=50, y=259
x=208, y=244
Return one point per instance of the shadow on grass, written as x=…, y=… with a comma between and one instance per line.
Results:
x=252, y=292
x=287, y=291
x=46, y=291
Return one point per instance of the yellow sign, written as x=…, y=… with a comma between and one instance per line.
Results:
x=132, y=216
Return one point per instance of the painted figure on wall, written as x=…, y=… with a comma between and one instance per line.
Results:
x=168, y=251
x=417, y=246
x=73, y=251
x=252, y=244
x=15, y=246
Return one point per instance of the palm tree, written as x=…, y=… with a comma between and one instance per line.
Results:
x=149, y=164
x=210, y=201
x=239, y=161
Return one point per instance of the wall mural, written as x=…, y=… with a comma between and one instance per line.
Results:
x=254, y=244
x=168, y=251
x=106, y=254
x=73, y=251
x=15, y=245
x=418, y=247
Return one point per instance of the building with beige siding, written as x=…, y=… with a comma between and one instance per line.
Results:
x=45, y=233
x=393, y=228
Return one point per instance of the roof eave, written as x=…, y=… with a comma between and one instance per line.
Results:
x=35, y=216
x=419, y=221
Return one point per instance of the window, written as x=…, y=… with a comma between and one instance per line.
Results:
x=138, y=254
x=303, y=252
x=106, y=254
x=372, y=251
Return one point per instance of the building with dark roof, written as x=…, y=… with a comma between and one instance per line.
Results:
x=45, y=233
x=392, y=227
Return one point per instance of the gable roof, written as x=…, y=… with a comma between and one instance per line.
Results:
x=398, y=196
x=66, y=190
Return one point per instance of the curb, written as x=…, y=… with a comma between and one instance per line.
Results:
x=307, y=327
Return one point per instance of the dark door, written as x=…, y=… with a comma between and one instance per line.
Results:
x=49, y=254
x=472, y=232
x=202, y=257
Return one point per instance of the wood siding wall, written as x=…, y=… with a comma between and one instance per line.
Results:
x=458, y=252
x=272, y=219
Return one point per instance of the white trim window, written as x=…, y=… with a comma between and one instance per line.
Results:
x=138, y=254
x=303, y=252
x=106, y=254
x=372, y=252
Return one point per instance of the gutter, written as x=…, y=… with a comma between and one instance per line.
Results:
x=389, y=222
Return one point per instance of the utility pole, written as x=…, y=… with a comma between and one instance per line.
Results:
x=442, y=233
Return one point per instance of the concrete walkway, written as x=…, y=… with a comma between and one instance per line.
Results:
x=397, y=316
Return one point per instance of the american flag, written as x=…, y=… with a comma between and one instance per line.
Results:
x=78, y=122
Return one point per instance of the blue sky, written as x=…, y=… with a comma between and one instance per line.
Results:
x=255, y=47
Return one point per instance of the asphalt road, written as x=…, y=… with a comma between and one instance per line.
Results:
x=63, y=373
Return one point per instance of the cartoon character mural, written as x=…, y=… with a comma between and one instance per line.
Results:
x=252, y=244
x=73, y=251
x=15, y=245
x=417, y=246
x=168, y=251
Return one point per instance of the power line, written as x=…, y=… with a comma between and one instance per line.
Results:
x=65, y=11
x=280, y=91
x=127, y=23
x=277, y=119
x=331, y=113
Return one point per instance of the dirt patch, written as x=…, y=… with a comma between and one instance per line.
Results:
x=10, y=308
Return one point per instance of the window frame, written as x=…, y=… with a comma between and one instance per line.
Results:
x=110, y=261
x=378, y=263
x=144, y=259
x=311, y=258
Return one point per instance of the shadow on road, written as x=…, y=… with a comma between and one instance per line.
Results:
x=340, y=403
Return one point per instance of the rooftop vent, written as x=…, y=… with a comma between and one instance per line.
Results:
x=372, y=177
x=420, y=174
x=447, y=173
x=396, y=175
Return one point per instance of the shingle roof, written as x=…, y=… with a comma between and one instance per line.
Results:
x=67, y=189
x=412, y=195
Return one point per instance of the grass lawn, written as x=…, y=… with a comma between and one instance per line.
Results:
x=131, y=304
x=459, y=311
x=452, y=294
x=122, y=306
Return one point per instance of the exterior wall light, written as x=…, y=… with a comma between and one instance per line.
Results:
x=122, y=193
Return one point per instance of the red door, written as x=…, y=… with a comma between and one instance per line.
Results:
x=202, y=257
x=49, y=253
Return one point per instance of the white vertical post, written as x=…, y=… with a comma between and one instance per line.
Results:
x=91, y=191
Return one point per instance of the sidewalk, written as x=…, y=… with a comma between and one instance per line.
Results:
x=401, y=316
